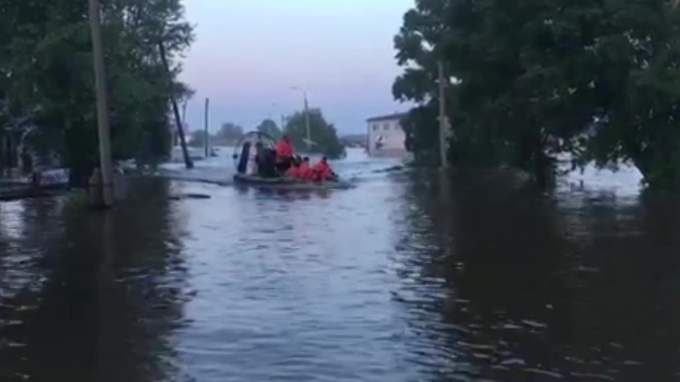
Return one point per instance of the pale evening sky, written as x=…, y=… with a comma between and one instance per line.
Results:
x=248, y=53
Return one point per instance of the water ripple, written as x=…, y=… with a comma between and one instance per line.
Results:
x=405, y=278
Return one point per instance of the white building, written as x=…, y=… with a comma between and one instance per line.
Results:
x=386, y=138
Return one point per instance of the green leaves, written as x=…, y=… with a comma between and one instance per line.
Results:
x=534, y=76
x=323, y=135
x=46, y=72
x=270, y=128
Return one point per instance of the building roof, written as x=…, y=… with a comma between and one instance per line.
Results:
x=389, y=117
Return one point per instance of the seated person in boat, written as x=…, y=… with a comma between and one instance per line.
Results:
x=284, y=154
x=266, y=161
x=323, y=172
x=304, y=171
x=294, y=170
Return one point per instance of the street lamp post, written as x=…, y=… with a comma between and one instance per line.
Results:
x=272, y=107
x=102, y=105
x=304, y=95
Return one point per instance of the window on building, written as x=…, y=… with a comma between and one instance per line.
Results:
x=386, y=126
x=375, y=127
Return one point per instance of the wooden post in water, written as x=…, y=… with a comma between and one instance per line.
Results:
x=205, y=128
x=443, y=120
x=178, y=120
x=105, y=161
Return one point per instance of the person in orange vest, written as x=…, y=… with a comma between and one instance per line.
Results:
x=323, y=171
x=304, y=172
x=294, y=170
x=284, y=154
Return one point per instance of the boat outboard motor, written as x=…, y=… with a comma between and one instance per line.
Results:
x=243, y=161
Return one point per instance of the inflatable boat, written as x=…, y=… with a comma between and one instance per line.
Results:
x=243, y=159
x=289, y=183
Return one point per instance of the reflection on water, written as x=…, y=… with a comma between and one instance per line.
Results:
x=505, y=284
x=89, y=296
x=407, y=277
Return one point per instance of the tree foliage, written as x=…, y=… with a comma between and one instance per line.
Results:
x=270, y=128
x=46, y=72
x=597, y=79
x=229, y=134
x=323, y=135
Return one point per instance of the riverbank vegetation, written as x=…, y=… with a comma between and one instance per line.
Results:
x=597, y=81
x=46, y=76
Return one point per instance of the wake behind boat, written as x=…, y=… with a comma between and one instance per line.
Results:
x=258, y=164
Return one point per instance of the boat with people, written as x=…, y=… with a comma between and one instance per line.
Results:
x=264, y=163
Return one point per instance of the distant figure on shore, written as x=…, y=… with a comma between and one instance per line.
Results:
x=284, y=154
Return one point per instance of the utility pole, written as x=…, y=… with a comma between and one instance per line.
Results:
x=206, y=133
x=307, y=127
x=272, y=107
x=443, y=120
x=283, y=122
x=309, y=138
x=102, y=106
x=175, y=134
x=180, y=129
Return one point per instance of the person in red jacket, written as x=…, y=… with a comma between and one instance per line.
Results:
x=323, y=171
x=304, y=172
x=284, y=154
x=294, y=170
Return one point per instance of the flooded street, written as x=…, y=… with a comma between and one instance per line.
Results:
x=405, y=277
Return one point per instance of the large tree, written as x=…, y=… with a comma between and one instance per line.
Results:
x=51, y=77
x=323, y=134
x=536, y=76
x=270, y=128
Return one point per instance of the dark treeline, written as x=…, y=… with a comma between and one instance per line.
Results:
x=46, y=76
x=596, y=79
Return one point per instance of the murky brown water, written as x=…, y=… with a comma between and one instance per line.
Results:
x=403, y=278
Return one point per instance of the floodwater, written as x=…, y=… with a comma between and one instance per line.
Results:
x=406, y=277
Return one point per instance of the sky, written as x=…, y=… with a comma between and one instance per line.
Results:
x=249, y=53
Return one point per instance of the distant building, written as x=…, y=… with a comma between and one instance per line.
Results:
x=386, y=138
